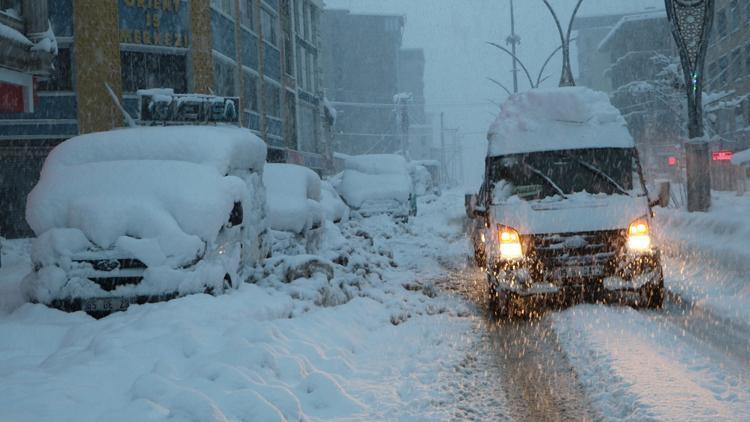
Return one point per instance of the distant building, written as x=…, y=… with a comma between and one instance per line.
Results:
x=593, y=63
x=411, y=72
x=728, y=75
x=266, y=52
x=361, y=62
x=641, y=49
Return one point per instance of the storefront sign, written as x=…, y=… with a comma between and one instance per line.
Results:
x=163, y=106
x=154, y=22
x=722, y=155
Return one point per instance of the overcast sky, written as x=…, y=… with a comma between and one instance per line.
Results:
x=454, y=33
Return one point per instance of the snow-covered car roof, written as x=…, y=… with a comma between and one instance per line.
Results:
x=377, y=164
x=293, y=195
x=170, y=200
x=557, y=119
x=221, y=147
x=356, y=187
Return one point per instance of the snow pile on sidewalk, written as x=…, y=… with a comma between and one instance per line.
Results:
x=707, y=255
x=370, y=340
x=557, y=118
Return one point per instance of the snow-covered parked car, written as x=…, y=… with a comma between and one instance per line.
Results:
x=146, y=214
x=334, y=208
x=293, y=193
x=425, y=176
x=565, y=205
x=378, y=184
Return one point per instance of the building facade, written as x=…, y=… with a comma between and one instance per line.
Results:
x=411, y=69
x=589, y=31
x=361, y=59
x=644, y=76
x=728, y=76
x=266, y=52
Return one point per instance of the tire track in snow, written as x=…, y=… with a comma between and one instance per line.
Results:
x=520, y=360
x=638, y=366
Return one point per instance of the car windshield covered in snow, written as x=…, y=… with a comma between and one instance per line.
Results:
x=538, y=175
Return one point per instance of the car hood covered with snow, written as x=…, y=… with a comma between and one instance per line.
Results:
x=580, y=212
x=375, y=178
x=165, y=209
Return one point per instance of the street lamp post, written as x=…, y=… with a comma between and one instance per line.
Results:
x=691, y=25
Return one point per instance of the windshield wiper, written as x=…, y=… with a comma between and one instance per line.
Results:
x=546, y=179
x=601, y=174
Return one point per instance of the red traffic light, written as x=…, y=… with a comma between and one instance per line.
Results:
x=672, y=161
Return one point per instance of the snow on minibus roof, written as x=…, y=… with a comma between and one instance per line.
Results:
x=220, y=147
x=554, y=119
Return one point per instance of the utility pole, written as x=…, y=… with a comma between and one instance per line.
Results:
x=513, y=39
x=444, y=169
x=691, y=26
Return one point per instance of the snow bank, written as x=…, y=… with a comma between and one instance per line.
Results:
x=221, y=147
x=293, y=194
x=557, y=119
x=12, y=34
x=377, y=177
x=708, y=254
x=176, y=202
x=266, y=351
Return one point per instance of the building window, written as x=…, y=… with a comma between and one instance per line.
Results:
x=224, y=6
x=713, y=71
x=310, y=72
x=291, y=121
x=247, y=17
x=721, y=23
x=268, y=26
x=306, y=11
x=61, y=77
x=150, y=70
x=747, y=57
x=723, y=71
x=298, y=17
x=313, y=23
x=250, y=91
x=735, y=14
x=301, y=69
x=272, y=100
x=737, y=64
x=288, y=56
x=224, y=81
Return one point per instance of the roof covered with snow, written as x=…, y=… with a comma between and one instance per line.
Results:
x=293, y=193
x=741, y=158
x=169, y=200
x=377, y=164
x=221, y=147
x=557, y=119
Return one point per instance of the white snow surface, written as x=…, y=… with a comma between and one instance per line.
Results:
x=144, y=199
x=355, y=346
x=552, y=119
x=708, y=254
x=334, y=208
x=293, y=195
x=633, y=366
x=221, y=147
x=12, y=34
x=376, y=177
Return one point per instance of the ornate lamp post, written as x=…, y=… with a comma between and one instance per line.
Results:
x=691, y=25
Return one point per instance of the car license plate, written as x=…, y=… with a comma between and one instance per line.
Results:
x=105, y=304
x=579, y=272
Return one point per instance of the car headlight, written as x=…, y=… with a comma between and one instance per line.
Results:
x=510, y=243
x=639, y=236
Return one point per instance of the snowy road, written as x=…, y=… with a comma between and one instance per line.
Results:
x=613, y=362
x=397, y=349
